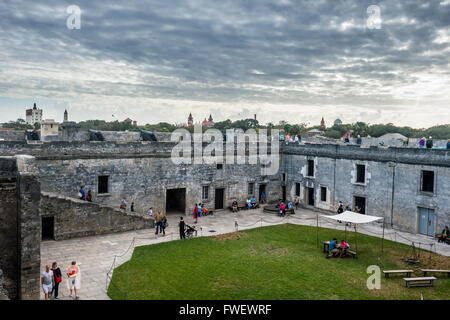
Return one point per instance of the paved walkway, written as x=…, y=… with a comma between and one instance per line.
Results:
x=95, y=255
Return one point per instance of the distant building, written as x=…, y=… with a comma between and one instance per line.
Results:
x=208, y=123
x=322, y=123
x=314, y=132
x=338, y=121
x=33, y=116
x=190, y=120
x=133, y=122
x=49, y=127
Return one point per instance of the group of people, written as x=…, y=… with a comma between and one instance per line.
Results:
x=282, y=207
x=444, y=236
x=336, y=249
x=160, y=221
x=200, y=210
x=428, y=143
x=52, y=277
x=83, y=196
x=251, y=203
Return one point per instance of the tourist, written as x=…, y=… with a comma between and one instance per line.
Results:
x=47, y=281
x=444, y=235
x=57, y=278
x=282, y=210
x=199, y=210
x=332, y=248
x=429, y=142
x=164, y=224
x=158, y=220
x=296, y=203
x=73, y=274
x=263, y=197
x=358, y=141
x=253, y=202
x=234, y=206
x=249, y=203
x=422, y=143
x=81, y=193
x=346, y=140
x=150, y=212
x=123, y=204
x=196, y=213
x=448, y=144
x=182, y=227
x=132, y=206
x=290, y=207
x=343, y=247
x=89, y=196
x=341, y=207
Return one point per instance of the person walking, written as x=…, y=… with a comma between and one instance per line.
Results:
x=73, y=281
x=158, y=219
x=164, y=224
x=182, y=226
x=47, y=281
x=132, y=206
x=57, y=278
x=150, y=212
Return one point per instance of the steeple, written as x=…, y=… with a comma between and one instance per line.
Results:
x=66, y=116
x=190, y=120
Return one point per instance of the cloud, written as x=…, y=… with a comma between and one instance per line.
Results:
x=279, y=59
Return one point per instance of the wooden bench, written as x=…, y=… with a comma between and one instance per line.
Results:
x=425, y=271
x=388, y=272
x=352, y=253
x=419, y=282
x=326, y=245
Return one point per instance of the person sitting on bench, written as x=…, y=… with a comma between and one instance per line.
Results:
x=444, y=235
x=332, y=248
x=253, y=202
x=249, y=203
x=234, y=206
x=343, y=247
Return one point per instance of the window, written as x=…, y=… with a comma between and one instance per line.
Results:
x=219, y=166
x=103, y=184
x=283, y=177
x=251, y=189
x=310, y=168
x=360, y=173
x=297, y=189
x=427, y=181
x=205, y=192
x=323, y=194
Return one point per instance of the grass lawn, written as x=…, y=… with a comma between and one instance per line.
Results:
x=276, y=262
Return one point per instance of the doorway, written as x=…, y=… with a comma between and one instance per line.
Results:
x=48, y=227
x=176, y=200
x=310, y=196
x=262, y=188
x=219, y=198
x=283, y=190
x=360, y=202
x=426, y=221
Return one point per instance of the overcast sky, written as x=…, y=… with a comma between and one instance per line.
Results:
x=288, y=60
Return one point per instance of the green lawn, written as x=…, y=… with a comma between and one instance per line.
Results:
x=277, y=262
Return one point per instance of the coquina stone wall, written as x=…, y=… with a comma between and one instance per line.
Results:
x=20, y=228
x=78, y=218
x=392, y=185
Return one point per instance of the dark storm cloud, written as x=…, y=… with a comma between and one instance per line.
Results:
x=223, y=51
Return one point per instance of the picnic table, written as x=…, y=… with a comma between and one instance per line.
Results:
x=326, y=245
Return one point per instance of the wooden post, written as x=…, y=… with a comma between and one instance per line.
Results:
x=317, y=230
x=382, y=239
x=345, y=232
x=356, y=240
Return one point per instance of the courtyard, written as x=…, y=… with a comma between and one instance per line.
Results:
x=96, y=255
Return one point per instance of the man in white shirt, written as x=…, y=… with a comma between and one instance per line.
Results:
x=47, y=281
x=150, y=211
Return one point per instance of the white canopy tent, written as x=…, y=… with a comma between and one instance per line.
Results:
x=355, y=218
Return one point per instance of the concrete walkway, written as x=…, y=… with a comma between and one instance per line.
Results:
x=95, y=255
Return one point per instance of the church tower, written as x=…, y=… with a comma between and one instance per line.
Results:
x=190, y=120
x=66, y=116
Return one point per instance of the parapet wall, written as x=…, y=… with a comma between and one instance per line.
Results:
x=78, y=218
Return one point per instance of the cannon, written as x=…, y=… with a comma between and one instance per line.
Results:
x=148, y=136
x=95, y=135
